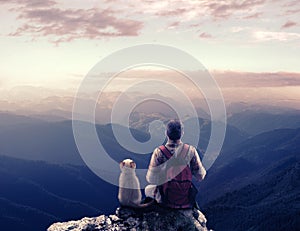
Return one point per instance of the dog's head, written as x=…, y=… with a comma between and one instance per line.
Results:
x=127, y=164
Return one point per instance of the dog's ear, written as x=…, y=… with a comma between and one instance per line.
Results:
x=132, y=164
x=122, y=164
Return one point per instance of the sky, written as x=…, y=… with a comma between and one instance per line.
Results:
x=54, y=43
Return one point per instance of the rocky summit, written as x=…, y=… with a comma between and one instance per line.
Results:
x=158, y=219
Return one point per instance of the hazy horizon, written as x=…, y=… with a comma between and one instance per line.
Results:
x=274, y=89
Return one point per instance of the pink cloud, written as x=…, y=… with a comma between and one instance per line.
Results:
x=30, y=3
x=292, y=3
x=195, y=25
x=252, y=79
x=294, y=11
x=43, y=18
x=50, y=19
x=292, y=7
x=224, y=9
x=274, y=35
x=253, y=16
x=288, y=24
x=173, y=25
x=205, y=35
x=172, y=12
x=195, y=12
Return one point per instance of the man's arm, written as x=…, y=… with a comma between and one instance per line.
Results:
x=154, y=174
x=196, y=165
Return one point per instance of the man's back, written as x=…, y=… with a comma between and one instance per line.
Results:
x=164, y=159
x=156, y=175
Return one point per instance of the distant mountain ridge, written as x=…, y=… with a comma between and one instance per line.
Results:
x=257, y=181
x=54, y=142
x=33, y=190
x=255, y=122
x=244, y=163
x=271, y=203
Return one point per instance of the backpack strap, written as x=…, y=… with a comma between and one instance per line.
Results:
x=165, y=151
x=168, y=154
x=185, y=150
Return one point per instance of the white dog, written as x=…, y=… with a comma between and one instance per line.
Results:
x=129, y=185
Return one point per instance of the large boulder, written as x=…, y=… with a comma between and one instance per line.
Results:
x=158, y=219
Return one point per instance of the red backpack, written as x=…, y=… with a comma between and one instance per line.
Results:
x=176, y=191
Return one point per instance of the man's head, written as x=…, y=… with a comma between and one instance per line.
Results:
x=174, y=130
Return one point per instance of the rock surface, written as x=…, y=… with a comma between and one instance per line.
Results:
x=158, y=219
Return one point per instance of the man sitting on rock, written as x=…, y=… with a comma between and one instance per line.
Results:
x=171, y=169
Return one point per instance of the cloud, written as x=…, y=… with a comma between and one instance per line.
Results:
x=272, y=35
x=173, y=25
x=224, y=9
x=195, y=11
x=226, y=79
x=30, y=3
x=191, y=11
x=254, y=16
x=293, y=11
x=238, y=29
x=205, y=35
x=256, y=80
x=291, y=7
x=44, y=18
x=291, y=4
x=51, y=18
x=173, y=12
x=288, y=24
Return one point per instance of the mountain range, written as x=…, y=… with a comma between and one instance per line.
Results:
x=257, y=180
x=34, y=194
x=246, y=162
x=272, y=202
x=255, y=122
x=253, y=185
x=34, y=139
